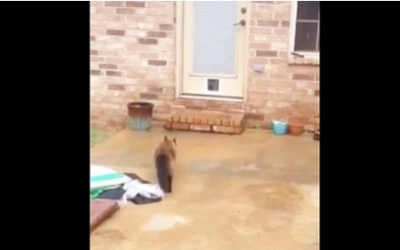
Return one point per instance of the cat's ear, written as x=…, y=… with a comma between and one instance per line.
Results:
x=165, y=138
x=174, y=140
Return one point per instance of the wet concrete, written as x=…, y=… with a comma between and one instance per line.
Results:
x=254, y=190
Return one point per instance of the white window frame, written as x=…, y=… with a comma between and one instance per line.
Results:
x=309, y=57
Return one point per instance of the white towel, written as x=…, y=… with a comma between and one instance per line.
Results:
x=135, y=187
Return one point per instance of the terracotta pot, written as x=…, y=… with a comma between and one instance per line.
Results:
x=296, y=129
x=140, y=115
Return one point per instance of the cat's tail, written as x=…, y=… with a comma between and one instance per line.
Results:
x=163, y=173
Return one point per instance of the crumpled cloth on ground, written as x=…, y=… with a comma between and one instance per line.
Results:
x=148, y=192
x=135, y=187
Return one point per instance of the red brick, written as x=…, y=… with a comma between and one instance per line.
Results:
x=251, y=116
x=238, y=130
x=168, y=125
x=125, y=11
x=95, y=72
x=280, y=31
x=278, y=104
x=115, y=18
x=210, y=121
x=116, y=87
x=281, y=84
x=267, y=53
x=189, y=119
x=260, y=15
x=114, y=4
x=135, y=4
x=303, y=77
x=157, y=62
x=136, y=75
x=104, y=10
x=93, y=52
x=104, y=52
x=237, y=120
x=282, y=54
x=197, y=120
x=205, y=120
x=223, y=129
x=259, y=97
x=281, y=16
x=175, y=118
x=147, y=41
x=261, y=81
x=259, y=60
x=149, y=55
x=116, y=122
x=148, y=96
x=166, y=27
x=155, y=89
x=108, y=66
x=183, y=119
x=200, y=127
x=180, y=126
x=285, y=23
x=226, y=121
x=268, y=23
x=257, y=88
x=279, y=76
x=191, y=104
x=306, y=99
x=256, y=104
x=279, y=61
x=113, y=73
x=263, y=46
x=115, y=32
x=218, y=121
x=282, y=97
x=157, y=34
x=283, y=2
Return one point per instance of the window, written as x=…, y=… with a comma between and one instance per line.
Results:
x=304, y=38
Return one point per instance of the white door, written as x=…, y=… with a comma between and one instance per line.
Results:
x=213, y=48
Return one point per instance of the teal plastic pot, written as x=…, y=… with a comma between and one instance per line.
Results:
x=140, y=115
x=279, y=128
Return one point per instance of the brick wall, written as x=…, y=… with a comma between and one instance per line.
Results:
x=133, y=59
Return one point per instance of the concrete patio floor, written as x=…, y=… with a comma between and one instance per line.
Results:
x=254, y=191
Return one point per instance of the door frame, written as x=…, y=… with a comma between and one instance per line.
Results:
x=179, y=16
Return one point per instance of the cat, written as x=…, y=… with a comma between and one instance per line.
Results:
x=164, y=157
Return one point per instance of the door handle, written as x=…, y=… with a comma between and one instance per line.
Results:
x=242, y=22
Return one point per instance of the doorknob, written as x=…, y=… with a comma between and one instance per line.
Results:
x=242, y=22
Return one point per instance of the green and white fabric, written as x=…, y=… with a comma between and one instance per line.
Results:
x=102, y=178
